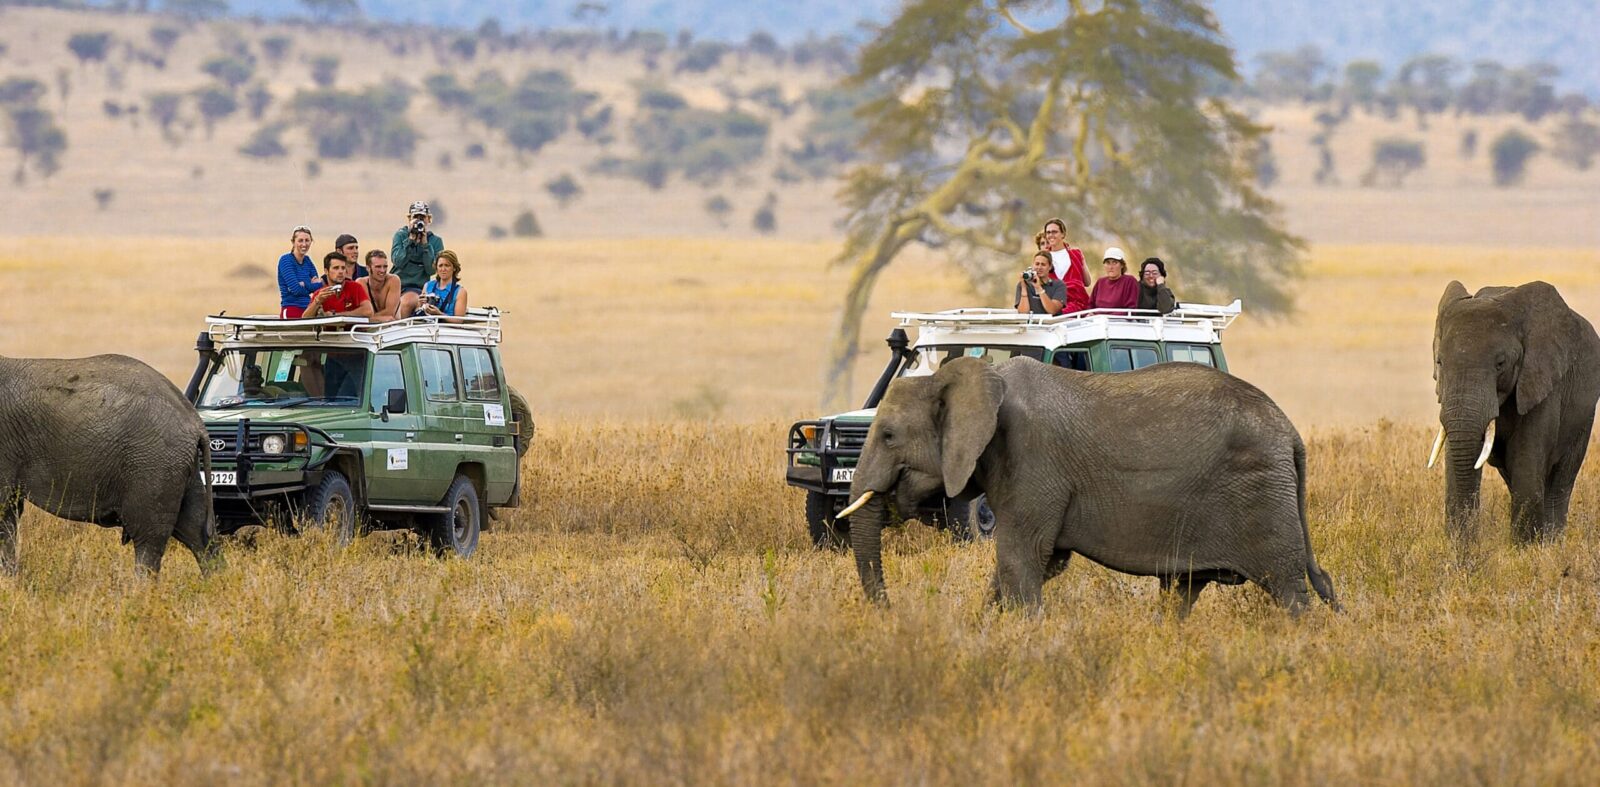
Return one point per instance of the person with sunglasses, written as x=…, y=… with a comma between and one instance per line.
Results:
x=415, y=248
x=297, y=275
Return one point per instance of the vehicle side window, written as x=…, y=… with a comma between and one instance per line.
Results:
x=439, y=376
x=477, y=367
x=1145, y=356
x=1194, y=353
x=1121, y=359
x=1072, y=359
x=387, y=373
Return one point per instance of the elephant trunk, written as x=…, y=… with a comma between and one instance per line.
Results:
x=866, y=541
x=1467, y=444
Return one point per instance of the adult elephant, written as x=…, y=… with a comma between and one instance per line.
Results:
x=1176, y=471
x=106, y=440
x=1518, y=376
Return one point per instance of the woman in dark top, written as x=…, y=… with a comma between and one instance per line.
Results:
x=1153, y=292
x=1042, y=293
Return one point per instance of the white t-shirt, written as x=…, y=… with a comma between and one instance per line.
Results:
x=1060, y=260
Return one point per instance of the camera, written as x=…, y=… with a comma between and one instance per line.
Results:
x=334, y=289
x=1028, y=275
x=419, y=227
x=430, y=299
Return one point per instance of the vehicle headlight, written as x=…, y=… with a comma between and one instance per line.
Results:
x=273, y=444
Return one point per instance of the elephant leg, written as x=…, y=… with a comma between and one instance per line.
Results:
x=1558, y=489
x=1527, y=487
x=10, y=512
x=148, y=549
x=1021, y=554
x=194, y=528
x=1182, y=590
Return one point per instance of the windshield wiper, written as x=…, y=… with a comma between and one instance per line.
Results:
x=293, y=402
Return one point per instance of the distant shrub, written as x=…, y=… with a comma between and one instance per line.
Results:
x=1575, y=144
x=21, y=91
x=215, y=104
x=446, y=161
x=496, y=232
x=474, y=151
x=103, y=197
x=448, y=91
x=229, y=70
x=704, y=145
x=196, y=9
x=33, y=133
x=1393, y=158
x=526, y=226
x=276, y=48
x=765, y=220
x=266, y=142
x=111, y=109
x=564, y=189
x=345, y=124
x=464, y=47
x=702, y=57
x=1469, y=143
x=596, y=126
x=165, y=37
x=89, y=47
x=831, y=137
x=258, y=99
x=659, y=99
x=163, y=108
x=324, y=70
x=313, y=169
x=719, y=208
x=1510, y=153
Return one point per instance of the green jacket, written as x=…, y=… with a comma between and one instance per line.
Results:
x=413, y=262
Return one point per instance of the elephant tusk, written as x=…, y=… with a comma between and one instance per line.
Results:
x=1433, y=456
x=1488, y=443
x=851, y=509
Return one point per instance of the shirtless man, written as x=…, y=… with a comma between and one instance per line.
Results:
x=383, y=287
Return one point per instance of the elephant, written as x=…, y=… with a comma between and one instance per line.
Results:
x=106, y=440
x=1518, y=376
x=1176, y=471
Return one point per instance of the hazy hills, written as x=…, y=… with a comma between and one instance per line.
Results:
x=1564, y=33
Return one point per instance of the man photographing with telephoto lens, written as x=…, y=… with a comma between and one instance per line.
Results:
x=414, y=249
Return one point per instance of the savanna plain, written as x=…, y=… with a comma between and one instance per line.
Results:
x=654, y=612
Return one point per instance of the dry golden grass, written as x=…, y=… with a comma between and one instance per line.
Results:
x=654, y=614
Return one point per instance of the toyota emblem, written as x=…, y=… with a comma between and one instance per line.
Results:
x=218, y=444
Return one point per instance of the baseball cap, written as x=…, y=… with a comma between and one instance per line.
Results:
x=345, y=240
x=1114, y=253
x=419, y=208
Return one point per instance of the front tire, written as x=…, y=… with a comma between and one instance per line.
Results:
x=826, y=532
x=332, y=506
x=967, y=519
x=456, y=530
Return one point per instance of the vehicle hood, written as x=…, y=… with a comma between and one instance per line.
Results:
x=310, y=416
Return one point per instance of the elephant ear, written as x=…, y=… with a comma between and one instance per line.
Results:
x=1454, y=291
x=969, y=400
x=1550, y=334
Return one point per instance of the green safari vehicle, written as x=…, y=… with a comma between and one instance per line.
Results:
x=822, y=452
x=342, y=423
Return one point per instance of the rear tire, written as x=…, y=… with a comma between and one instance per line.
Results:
x=826, y=532
x=456, y=530
x=332, y=506
x=967, y=519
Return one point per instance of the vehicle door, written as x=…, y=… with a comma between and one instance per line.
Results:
x=444, y=432
x=393, y=465
x=488, y=421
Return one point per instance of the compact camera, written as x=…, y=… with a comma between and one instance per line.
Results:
x=1029, y=275
x=334, y=289
x=430, y=299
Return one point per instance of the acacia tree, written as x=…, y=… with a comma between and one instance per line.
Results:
x=993, y=115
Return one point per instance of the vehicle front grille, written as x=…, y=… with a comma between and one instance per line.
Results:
x=850, y=436
x=227, y=442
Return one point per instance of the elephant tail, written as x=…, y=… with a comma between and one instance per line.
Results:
x=1320, y=581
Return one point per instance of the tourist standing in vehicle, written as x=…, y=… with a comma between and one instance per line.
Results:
x=1038, y=290
x=1153, y=292
x=414, y=249
x=1115, y=289
x=1066, y=264
x=351, y=249
x=444, y=295
x=339, y=296
x=297, y=275
x=382, y=287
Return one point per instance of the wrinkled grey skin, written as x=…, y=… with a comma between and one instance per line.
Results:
x=1521, y=358
x=106, y=440
x=1176, y=471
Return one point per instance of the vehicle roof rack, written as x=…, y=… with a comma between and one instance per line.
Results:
x=477, y=327
x=1189, y=319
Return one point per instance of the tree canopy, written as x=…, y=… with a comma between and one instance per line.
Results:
x=994, y=115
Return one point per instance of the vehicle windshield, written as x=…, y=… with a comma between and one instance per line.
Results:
x=928, y=359
x=285, y=377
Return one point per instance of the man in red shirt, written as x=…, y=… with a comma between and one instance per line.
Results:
x=339, y=296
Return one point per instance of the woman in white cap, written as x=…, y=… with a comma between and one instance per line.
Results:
x=1115, y=289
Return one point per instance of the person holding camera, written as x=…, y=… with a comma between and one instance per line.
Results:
x=340, y=296
x=297, y=275
x=1153, y=292
x=443, y=296
x=415, y=248
x=1038, y=290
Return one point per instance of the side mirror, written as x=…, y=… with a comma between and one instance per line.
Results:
x=397, y=400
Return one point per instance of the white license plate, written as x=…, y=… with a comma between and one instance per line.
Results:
x=843, y=475
x=224, y=478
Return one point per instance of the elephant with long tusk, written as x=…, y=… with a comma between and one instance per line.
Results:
x=1518, y=376
x=1176, y=471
